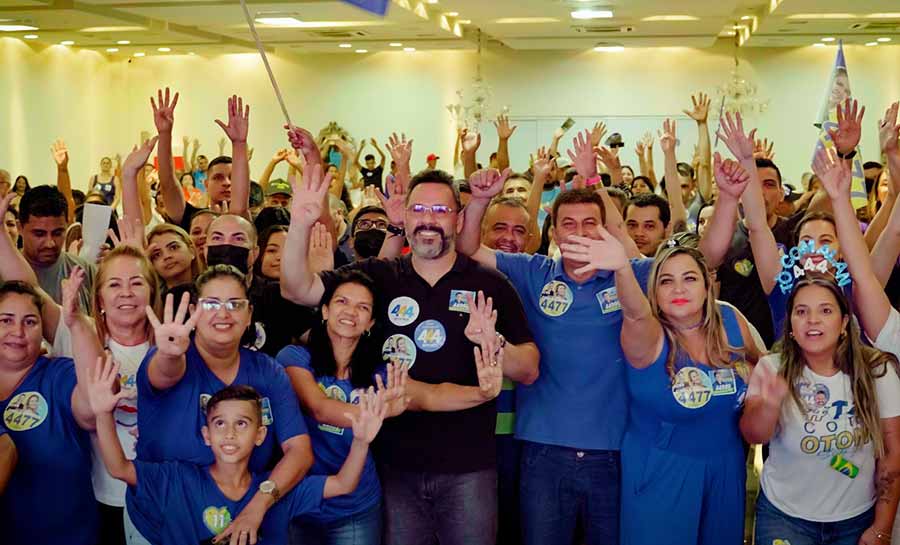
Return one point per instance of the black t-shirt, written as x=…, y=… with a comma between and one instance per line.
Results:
x=372, y=177
x=420, y=325
x=276, y=321
x=739, y=279
x=189, y=211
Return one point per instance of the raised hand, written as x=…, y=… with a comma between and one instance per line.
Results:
x=597, y=133
x=542, y=164
x=471, y=141
x=222, y=141
x=294, y=160
x=700, y=111
x=164, y=111
x=400, y=149
x=132, y=233
x=238, y=120
x=395, y=390
x=70, y=287
x=584, y=158
x=773, y=388
x=395, y=205
x=488, y=183
x=104, y=393
x=647, y=140
x=372, y=411
x=834, y=174
x=731, y=132
x=731, y=177
x=60, y=153
x=138, y=156
x=504, y=131
x=320, y=255
x=302, y=141
x=280, y=155
x=345, y=147
x=849, y=118
x=481, y=329
x=605, y=254
x=888, y=129
x=309, y=195
x=667, y=139
x=490, y=375
x=763, y=149
x=173, y=334
x=609, y=158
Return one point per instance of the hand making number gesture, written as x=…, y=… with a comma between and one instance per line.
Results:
x=173, y=334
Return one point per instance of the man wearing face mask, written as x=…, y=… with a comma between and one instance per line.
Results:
x=367, y=231
x=232, y=240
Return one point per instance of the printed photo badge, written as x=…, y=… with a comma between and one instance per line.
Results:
x=799, y=259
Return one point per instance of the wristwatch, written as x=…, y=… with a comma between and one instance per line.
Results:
x=501, y=344
x=269, y=487
x=394, y=230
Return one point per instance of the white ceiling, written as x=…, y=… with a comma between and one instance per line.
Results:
x=208, y=27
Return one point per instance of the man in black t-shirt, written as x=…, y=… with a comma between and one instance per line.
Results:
x=371, y=174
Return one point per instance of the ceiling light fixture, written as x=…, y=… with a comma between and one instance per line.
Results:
x=16, y=28
x=113, y=29
x=883, y=16
x=746, y=17
x=883, y=39
x=464, y=22
x=123, y=42
x=870, y=44
x=139, y=54
x=821, y=16
x=609, y=48
x=828, y=39
x=591, y=14
x=67, y=42
x=279, y=21
x=164, y=49
x=362, y=50
x=30, y=36
x=112, y=50
x=819, y=44
x=395, y=44
x=670, y=18
x=345, y=46
x=452, y=14
x=409, y=49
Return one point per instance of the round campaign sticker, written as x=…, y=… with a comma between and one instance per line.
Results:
x=26, y=411
x=556, y=298
x=692, y=388
x=403, y=311
x=399, y=350
x=430, y=335
x=335, y=392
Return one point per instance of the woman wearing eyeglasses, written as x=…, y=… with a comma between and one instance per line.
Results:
x=183, y=370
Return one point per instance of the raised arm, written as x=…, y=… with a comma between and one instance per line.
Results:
x=673, y=180
x=700, y=114
x=236, y=130
x=303, y=286
x=85, y=346
x=63, y=180
x=280, y=155
x=504, y=133
x=104, y=396
x=164, y=118
x=766, y=394
x=379, y=151
x=134, y=163
x=540, y=168
x=366, y=422
x=887, y=134
x=615, y=223
x=173, y=337
x=485, y=185
x=471, y=141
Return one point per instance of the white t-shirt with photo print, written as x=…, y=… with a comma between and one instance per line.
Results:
x=798, y=477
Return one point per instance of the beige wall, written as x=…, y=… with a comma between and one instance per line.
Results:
x=99, y=106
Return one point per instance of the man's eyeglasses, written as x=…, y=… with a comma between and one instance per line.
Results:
x=212, y=304
x=366, y=225
x=439, y=210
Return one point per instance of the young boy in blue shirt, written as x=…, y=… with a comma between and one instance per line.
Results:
x=197, y=502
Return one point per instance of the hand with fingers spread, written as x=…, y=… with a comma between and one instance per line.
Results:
x=372, y=412
x=395, y=389
x=238, y=120
x=308, y=198
x=400, y=149
x=700, y=111
x=131, y=231
x=471, y=141
x=173, y=334
x=763, y=149
x=834, y=174
x=609, y=158
x=731, y=132
x=731, y=177
x=302, y=141
x=584, y=157
x=70, y=287
x=849, y=129
x=320, y=255
x=60, y=154
x=667, y=139
x=490, y=375
x=888, y=130
x=488, y=183
x=541, y=164
x=138, y=157
x=394, y=205
x=481, y=329
x=597, y=133
x=164, y=110
x=504, y=131
x=103, y=389
x=604, y=254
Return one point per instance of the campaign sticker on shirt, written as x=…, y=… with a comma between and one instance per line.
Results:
x=609, y=300
x=399, y=350
x=692, y=388
x=266, y=406
x=556, y=298
x=723, y=382
x=334, y=392
x=743, y=267
x=260, y=340
x=815, y=396
x=403, y=311
x=216, y=519
x=458, y=301
x=430, y=335
x=25, y=412
x=204, y=399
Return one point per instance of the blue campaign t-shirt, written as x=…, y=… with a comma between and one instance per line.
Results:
x=195, y=510
x=331, y=444
x=577, y=328
x=49, y=499
x=170, y=420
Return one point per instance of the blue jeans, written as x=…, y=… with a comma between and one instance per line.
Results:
x=561, y=485
x=423, y=508
x=359, y=529
x=772, y=524
x=509, y=458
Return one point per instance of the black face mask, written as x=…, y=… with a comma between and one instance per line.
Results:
x=368, y=243
x=228, y=254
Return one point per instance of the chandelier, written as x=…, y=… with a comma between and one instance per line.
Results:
x=738, y=95
x=471, y=114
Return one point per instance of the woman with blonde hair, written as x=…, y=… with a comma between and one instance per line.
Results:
x=687, y=366
x=172, y=253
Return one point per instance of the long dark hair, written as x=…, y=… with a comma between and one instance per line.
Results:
x=366, y=356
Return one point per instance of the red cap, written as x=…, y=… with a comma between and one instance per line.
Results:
x=432, y=157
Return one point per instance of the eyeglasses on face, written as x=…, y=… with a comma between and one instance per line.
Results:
x=439, y=210
x=212, y=304
x=366, y=225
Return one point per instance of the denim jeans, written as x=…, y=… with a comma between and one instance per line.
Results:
x=772, y=525
x=509, y=455
x=423, y=508
x=561, y=485
x=359, y=529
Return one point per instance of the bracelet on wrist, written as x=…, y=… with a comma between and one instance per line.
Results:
x=396, y=231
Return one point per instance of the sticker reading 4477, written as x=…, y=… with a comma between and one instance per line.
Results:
x=26, y=411
x=556, y=298
x=692, y=388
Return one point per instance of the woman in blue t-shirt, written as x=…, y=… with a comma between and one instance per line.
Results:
x=340, y=360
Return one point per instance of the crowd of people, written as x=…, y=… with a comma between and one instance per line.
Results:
x=570, y=352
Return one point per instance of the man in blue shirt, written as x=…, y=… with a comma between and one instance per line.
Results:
x=572, y=418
